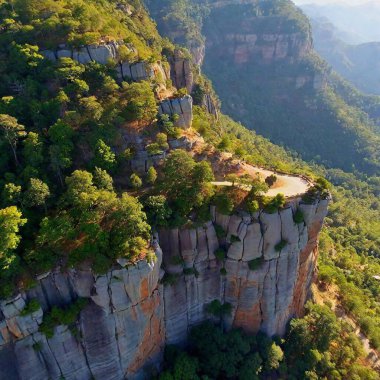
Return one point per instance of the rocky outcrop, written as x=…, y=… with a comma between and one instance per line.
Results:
x=118, y=333
x=181, y=72
x=182, y=107
x=264, y=298
x=131, y=314
x=109, y=53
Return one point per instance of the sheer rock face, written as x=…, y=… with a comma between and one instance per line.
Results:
x=119, y=332
x=183, y=107
x=109, y=52
x=181, y=73
x=131, y=316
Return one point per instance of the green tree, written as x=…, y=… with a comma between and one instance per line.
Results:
x=135, y=180
x=140, y=102
x=10, y=222
x=157, y=210
x=33, y=150
x=12, y=131
x=61, y=135
x=151, y=175
x=102, y=180
x=186, y=183
x=274, y=357
x=36, y=193
x=104, y=157
x=80, y=189
x=90, y=108
x=11, y=194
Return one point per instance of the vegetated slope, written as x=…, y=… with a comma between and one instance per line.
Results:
x=259, y=57
x=357, y=22
x=71, y=134
x=357, y=63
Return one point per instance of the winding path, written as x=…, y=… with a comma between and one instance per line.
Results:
x=286, y=184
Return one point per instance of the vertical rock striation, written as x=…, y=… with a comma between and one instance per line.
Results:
x=131, y=315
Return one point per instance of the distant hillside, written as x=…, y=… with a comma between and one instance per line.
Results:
x=360, y=64
x=260, y=58
x=361, y=23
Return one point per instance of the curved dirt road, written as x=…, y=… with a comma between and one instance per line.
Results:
x=288, y=185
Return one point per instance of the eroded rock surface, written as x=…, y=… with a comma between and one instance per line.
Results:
x=131, y=315
x=183, y=107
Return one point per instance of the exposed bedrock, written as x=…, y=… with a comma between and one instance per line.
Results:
x=182, y=107
x=130, y=315
x=109, y=52
x=262, y=299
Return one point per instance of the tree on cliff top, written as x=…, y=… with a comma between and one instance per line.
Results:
x=186, y=182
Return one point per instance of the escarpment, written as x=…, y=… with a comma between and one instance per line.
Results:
x=132, y=312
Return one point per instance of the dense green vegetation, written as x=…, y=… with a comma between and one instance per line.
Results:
x=68, y=192
x=322, y=123
x=315, y=347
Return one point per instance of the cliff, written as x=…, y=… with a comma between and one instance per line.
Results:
x=131, y=314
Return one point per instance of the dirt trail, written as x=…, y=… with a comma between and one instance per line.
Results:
x=288, y=185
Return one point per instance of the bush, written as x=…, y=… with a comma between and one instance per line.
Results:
x=298, y=217
x=223, y=203
x=220, y=254
x=151, y=175
x=256, y=263
x=31, y=307
x=223, y=271
x=190, y=271
x=272, y=205
x=169, y=279
x=176, y=260
x=234, y=239
x=220, y=233
x=61, y=316
x=280, y=246
x=135, y=181
x=218, y=309
x=154, y=149
x=253, y=206
x=271, y=180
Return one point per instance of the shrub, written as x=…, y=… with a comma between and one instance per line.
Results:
x=234, y=239
x=61, y=316
x=223, y=203
x=190, y=271
x=169, y=279
x=280, y=246
x=271, y=180
x=253, y=206
x=135, y=181
x=223, y=271
x=220, y=233
x=37, y=346
x=151, y=175
x=298, y=217
x=31, y=307
x=176, y=260
x=255, y=264
x=218, y=309
x=220, y=254
x=272, y=205
x=154, y=149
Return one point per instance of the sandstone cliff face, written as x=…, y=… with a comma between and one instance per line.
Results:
x=182, y=107
x=120, y=330
x=106, y=53
x=131, y=315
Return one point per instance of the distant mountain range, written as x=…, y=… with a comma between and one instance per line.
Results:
x=360, y=23
x=360, y=63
